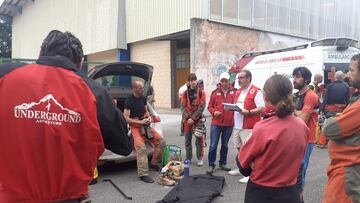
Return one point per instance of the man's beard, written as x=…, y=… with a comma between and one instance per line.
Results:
x=299, y=86
x=355, y=84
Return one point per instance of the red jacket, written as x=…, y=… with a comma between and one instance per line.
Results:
x=217, y=99
x=249, y=103
x=195, y=109
x=277, y=145
x=54, y=124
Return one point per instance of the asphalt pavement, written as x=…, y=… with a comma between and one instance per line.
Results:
x=125, y=177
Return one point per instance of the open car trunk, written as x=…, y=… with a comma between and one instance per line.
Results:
x=117, y=77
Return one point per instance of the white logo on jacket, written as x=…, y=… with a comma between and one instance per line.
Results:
x=47, y=111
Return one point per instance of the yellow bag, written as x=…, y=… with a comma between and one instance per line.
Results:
x=95, y=176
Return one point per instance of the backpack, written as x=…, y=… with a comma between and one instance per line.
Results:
x=171, y=153
x=197, y=188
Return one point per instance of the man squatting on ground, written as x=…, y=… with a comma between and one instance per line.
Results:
x=137, y=115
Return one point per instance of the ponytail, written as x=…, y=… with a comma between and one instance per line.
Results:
x=285, y=106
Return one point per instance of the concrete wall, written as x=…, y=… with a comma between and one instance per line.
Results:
x=105, y=56
x=157, y=54
x=215, y=47
x=146, y=19
x=94, y=22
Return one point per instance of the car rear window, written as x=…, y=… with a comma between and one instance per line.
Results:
x=123, y=81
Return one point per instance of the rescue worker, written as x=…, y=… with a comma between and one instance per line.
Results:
x=54, y=125
x=182, y=89
x=343, y=131
x=250, y=99
x=314, y=85
x=273, y=154
x=336, y=96
x=222, y=122
x=335, y=100
x=192, y=106
x=139, y=119
x=305, y=105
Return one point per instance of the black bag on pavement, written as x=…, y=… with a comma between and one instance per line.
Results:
x=197, y=188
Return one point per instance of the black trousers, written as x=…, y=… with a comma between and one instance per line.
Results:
x=260, y=194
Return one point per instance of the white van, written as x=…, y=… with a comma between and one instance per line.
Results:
x=324, y=56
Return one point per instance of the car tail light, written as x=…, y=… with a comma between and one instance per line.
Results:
x=156, y=119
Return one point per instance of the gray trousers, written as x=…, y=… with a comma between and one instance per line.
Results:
x=199, y=142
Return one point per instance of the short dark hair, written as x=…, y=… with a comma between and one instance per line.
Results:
x=247, y=74
x=64, y=44
x=356, y=57
x=192, y=77
x=304, y=72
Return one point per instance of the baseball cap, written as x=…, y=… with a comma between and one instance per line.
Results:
x=224, y=75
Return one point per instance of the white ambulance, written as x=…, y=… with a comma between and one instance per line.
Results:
x=324, y=56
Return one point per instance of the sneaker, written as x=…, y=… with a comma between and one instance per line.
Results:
x=155, y=167
x=146, y=179
x=234, y=172
x=320, y=146
x=244, y=180
x=200, y=163
x=211, y=170
x=224, y=168
x=94, y=181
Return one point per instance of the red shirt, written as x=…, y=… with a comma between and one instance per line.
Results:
x=275, y=150
x=310, y=103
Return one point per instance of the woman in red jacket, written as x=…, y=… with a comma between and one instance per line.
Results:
x=273, y=153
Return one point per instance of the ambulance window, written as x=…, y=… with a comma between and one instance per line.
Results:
x=354, y=44
x=325, y=42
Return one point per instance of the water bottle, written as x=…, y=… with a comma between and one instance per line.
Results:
x=186, y=167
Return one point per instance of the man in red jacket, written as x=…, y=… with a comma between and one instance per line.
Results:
x=54, y=124
x=222, y=122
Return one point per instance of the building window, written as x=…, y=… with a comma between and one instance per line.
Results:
x=304, y=18
x=259, y=14
x=245, y=12
x=230, y=11
x=180, y=60
x=216, y=9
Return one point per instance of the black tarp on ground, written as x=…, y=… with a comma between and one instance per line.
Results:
x=197, y=188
